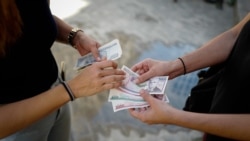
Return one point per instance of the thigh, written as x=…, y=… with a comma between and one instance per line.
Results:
x=61, y=128
x=38, y=131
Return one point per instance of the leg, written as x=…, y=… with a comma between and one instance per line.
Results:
x=61, y=128
x=38, y=131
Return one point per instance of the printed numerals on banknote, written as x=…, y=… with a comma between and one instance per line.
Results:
x=128, y=96
x=111, y=51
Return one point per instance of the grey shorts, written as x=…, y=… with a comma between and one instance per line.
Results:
x=54, y=127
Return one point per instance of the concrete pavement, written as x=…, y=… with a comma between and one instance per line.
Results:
x=138, y=25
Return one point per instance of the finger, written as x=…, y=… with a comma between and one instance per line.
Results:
x=140, y=72
x=104, y=58
x=113, y=79
x=110, y=72
x=140, y=109
x=98, y=44
x=95, y=52
x=131, y=109
x=107, y=64
x=108, y=86
x=144, y=109
x=112, y=75
x=136, y=67
x=146, y=96
x=143, y=77
x=143, y=65
x=133, y=113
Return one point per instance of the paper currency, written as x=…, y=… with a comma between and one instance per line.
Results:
x=129, y=86
x=155, y=85
x=119, y=105
x=128, y=95
x=116, y=95
x=111, y=51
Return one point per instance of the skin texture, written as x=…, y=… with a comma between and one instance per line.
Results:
x=235, y=126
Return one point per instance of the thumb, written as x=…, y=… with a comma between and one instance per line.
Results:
x=146, y=96
x=143, y=77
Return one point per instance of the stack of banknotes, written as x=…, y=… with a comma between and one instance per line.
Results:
x=128, y=95
x=111, y=51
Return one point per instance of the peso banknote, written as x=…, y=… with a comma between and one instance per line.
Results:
x=128, y=95
x=117, y=95
x=122, y=105
x=118, y=106
x=155, y=85
x=129, y=86
x=111, y=51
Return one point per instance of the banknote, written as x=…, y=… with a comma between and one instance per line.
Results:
x=118, y=106
x=122, y=105
x=116, y=95
x=129, y=86
x=155, y=85
x=128, y=95
x=111, y=51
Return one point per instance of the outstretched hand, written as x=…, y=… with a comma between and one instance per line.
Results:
x=149, y=68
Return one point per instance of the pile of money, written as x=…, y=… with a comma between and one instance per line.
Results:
x=128, y=95
x=111, y=51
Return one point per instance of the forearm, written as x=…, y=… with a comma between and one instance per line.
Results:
x=63, y=33
x=21, y=114
x=225, y=125
x=215, y=51
x=63, y=30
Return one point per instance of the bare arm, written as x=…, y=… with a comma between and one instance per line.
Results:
x=235, y=126
x=82, y=42
x=216, y=50
x=63, y=30
x=213, y=52
x=19, y=115
x=226, y=125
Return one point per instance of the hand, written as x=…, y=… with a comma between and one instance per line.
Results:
x=149, y=68
x=84, y=44
x=156, y=107
x=98, y=77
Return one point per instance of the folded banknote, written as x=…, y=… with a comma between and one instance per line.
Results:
x=111, y=51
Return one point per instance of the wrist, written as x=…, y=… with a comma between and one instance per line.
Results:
x=184, y=65
x=67, y=88
x=72, y=35
x=177, y=68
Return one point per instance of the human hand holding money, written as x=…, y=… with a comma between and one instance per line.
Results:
x=128, y=95
x=111, y=51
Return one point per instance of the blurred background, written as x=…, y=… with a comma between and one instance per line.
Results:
x=158, y=29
